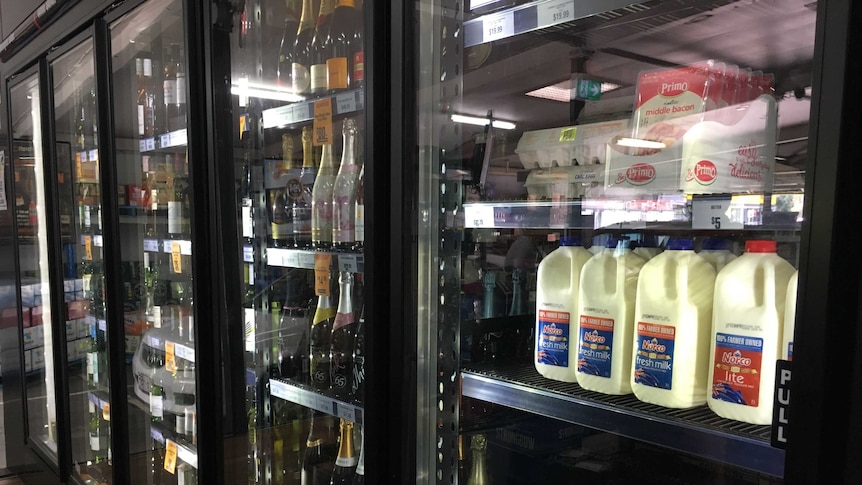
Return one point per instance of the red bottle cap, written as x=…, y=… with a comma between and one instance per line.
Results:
x=760, y=247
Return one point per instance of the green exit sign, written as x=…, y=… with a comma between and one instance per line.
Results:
x=588, y=90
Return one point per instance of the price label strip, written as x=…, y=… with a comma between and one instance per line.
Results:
x=348, y=263
x=306, y=260
x=346, y=102
x=170, y=457
x=151, y=144
x=322, y=263
x=151, y=245
x=322, y=128
x=184, y=352
x=496, y=27
x=291, y=259
x=170, y=360
x=478, y=216
x=346, y=411
x=98, y=241
x=88, y=247
x=248, y=254
x=177, y=257
x=713, y=213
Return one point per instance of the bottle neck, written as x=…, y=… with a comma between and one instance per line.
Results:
x=293, y=10
x=324, y=310
x=326, y=8
x=345, y=298
x=307, y=150
x=306, y=20
x=318, y=432
x=326, y=157
x=287, y=153
x=346, y=450
x=348, y=156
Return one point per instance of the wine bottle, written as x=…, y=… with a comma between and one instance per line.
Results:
x=157, y=393
x=342, y=341
x=519, y=277
x=359, y=476
x=178, y=205
x=321, y=333
x=344, y=192
x=281, y=203
x=319, y=53
x=285, y=50
x=301, y=61
x=359, y=211
x=345, y=464
x=340, y=46
x=321, y=201
x=479, y=472
x=317, y=464
x=303, y=200
x=169, y=87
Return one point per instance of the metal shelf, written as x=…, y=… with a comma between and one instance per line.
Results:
x=298, y=394
x=305, y=258
x=179, y=138
x=696, y=431
x=303, y=111
x=186, y=452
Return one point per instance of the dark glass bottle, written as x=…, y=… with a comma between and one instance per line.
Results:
x=341, y=44
x=321, y=332
x=345, y=463
x=342, y=341
x=358, y=380
x=320, y=451
x=284, y=66
x=301, y=61
x=319, y=53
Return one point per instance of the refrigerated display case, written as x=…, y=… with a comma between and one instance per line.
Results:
x=599, y=184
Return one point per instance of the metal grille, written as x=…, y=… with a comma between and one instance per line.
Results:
x=701, y=416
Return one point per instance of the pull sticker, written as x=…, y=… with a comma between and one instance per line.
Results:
x=170, y=361
x=170, y=457
x=322, y=263
x=594, y=346
x=553, y=347
x=654, y=355
x=323, y=122
x=176, y=257
x=737, y=369
x=88, y=247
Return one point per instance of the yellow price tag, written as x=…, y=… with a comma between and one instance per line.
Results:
x=170, y=361
x=243, y=122
x=176, y=257
x=321, y=274
x=568, y=134
x=322, y=122
x=106, y=412
x=79, y=169
x=170, y=457
x=88, y=247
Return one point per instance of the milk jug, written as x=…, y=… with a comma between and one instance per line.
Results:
x=647, y=248
x=789, y=318
x=717, y=252
x=606, y=319
x=556, y=310
x=673, y=325
x=747, y=325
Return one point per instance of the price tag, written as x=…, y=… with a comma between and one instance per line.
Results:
x=290, y=259
x=347, y=262
x=248, y=254
x=556, y=12
x=142, y=145
x=165, y=140
x=170, y=457
x=103, y=325
x=88, y=247
x=106, y=411
x=324, y=404
x=94, y=155
x=283, y=115
x=478, y=216
x=166, y=246
x=568, y=134
x=713, y=213
x=151, y=144
x=186, y=248
x=176, y=256
x=84, y=156
x=180, y=138
x=347, y=412
x=170, y=360
x=282, y=390
x=301, y=112
x=157, y=435
x=151, y=245
x=322, y=130
x=495, y=27
x=346, y=102
x=322, y=264
x=243, y=123
x=154, y=342
x=98, y=241
x=184, y=352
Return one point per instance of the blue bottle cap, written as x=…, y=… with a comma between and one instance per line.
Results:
x=716, y=244
x=570, y=241
x=680, y=244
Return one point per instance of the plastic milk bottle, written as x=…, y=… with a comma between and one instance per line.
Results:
x=556, y=310
x=673, y=327
x=747, y=325
x=789, y=318
x=606, y=310
x=717, y=252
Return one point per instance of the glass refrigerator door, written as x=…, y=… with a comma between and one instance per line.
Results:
x=623, y=184
x=77, y=146
x=149, y=93
x=31, y=211
x=297, y=84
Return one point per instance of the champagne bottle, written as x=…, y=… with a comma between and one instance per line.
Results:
x=359, y=476
x=342, y=340
x=344, y=192
x=301, y=61
x=359, y=216
x=358, y=381
x=341, y=44
x=321, y=332
x=321, y=201
x=317, y=464
x=319, y=53
x=519, y=277
x=479, y=473
x=285, y=50
x=345, y=464
x=303, y=200
x=157, y=404
x=281, y=203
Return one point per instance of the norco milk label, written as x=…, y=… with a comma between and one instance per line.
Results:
x=654, y=355
x=736, y=377
x=553, y=346
x=595, y=344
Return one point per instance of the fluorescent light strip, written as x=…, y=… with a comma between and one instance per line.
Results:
x=474, y=120
x=638, y=143
x=563, y=92
x=265, y=92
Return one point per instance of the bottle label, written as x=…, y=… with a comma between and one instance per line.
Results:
x=358, y=372
x=301, y=79
x=294, y=188
x=247, y=221
x=553, y=338
x=94, y=441
x=94, y=357
x=175, y=217
x=320, y=371
x=148, y=67
x=181, y=88
x=360, y=222
x=654, y=355
x=90, y=364
x=87, y=217
x=359, y=66
x=736, y=376
x=594, y=346
x=156, y=406
x=336, y=73
x=343, y=319
x=170, y=91
x=318, y=77
x=140, y=120
x=346, y=462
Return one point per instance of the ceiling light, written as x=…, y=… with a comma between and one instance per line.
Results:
x=473, y=120
x=564, y=92
x=245, y=89
x=638, y=143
